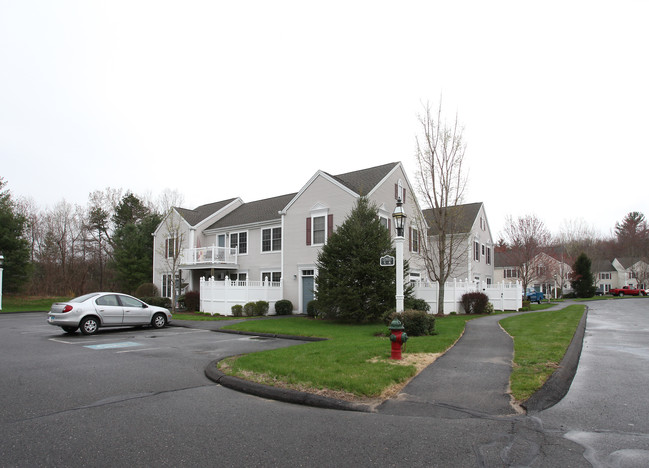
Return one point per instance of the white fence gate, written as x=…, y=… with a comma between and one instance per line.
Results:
x=503, y=296
x=218, y=297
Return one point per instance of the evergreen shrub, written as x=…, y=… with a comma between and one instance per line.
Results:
x=249, y=309
x=312, y=309
x=415, y=322
x=284, y=307
x=237, y=310
x=416, y=304
x=261, y=307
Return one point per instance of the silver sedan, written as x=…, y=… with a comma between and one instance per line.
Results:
x=105, y=309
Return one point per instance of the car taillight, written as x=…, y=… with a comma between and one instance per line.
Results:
x=67, y=308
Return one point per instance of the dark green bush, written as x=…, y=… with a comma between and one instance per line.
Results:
x=237, y=310
x=193, y=301
x=147, y=290
x=249, y=309
x=261, y=307
x=416, y=304
x=415, y=322
x=474, y=302
x=157, y=301
x=312, y=309
x=284, y=307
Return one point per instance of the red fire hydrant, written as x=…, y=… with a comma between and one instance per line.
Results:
x=398, y=338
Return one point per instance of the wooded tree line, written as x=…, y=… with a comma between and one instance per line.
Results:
x=70, y=250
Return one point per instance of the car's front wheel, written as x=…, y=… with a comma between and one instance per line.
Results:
x=70, y=329
x=89, y=325
x=159, y=321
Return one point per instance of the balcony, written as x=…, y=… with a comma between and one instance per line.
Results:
x=208, y=257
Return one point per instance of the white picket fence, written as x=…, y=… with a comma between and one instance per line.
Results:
x=218, y=297
x=503, y=296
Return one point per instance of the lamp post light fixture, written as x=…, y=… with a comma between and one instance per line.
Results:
x=399, y=216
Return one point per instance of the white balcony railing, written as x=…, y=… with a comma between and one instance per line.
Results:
x=209, y=256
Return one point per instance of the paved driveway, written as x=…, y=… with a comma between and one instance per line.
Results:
x=606, y=410
x=140, y=398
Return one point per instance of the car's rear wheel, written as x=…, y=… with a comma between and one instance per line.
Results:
x=89, y=325
x=159, y=321
x=70, y=329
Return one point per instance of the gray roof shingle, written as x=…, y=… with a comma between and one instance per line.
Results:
x=200, y=213
x=463, y=217
x=362, y=182
x=255, y=212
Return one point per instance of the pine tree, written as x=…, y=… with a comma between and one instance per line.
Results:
x=351, y=284
x=583, y=281
x=13, y=245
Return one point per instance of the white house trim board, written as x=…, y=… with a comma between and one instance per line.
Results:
x=311, y=181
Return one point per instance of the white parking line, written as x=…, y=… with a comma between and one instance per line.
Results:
x=135, y=350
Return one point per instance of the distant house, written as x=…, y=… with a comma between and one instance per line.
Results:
x=475, y=259
x=622, y=271
x=276, y=239
x=549, y=272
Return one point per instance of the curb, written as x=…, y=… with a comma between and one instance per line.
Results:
x=280, y=394
x=558, y=384
x=271, y=335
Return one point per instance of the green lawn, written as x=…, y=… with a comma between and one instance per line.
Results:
x=540, y=341
x=355, y=359
x=29, y=304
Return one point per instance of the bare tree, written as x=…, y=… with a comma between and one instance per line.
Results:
x=441, y=183
x=527, y=236
x=576, y=236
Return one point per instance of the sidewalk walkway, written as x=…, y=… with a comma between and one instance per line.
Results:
x=471, y=378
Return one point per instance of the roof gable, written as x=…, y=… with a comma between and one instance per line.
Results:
x=364, y=181
x=200, y=213
x=358, y=183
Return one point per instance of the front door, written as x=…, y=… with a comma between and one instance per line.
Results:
x=308, y=282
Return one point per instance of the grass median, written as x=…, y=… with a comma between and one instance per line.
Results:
x=540, y=342
x=354, y=363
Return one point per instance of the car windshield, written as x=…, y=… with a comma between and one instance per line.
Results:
x=83, y=298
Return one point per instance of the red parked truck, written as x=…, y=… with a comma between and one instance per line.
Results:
x=627, y=291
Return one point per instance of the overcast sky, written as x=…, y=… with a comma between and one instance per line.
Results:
x=220, y=99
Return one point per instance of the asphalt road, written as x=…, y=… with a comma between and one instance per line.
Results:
x=140, y=398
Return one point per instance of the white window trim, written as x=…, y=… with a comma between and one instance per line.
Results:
x=270, y=271
x=229, y=241
x=319, y=214
x=414, y=232
x=261, y=240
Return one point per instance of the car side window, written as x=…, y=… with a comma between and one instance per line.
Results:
x=108, y=300
x=130, y=302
